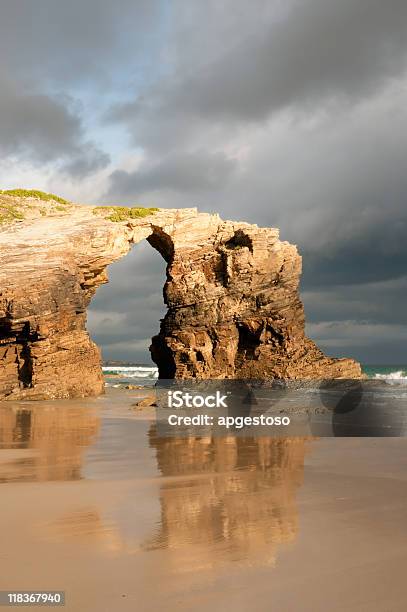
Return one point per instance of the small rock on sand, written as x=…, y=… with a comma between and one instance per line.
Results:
x=146, y=402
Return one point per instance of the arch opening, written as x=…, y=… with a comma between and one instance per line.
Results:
x=125, y=313
x=239, y=240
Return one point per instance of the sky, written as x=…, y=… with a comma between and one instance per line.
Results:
x=284, y=113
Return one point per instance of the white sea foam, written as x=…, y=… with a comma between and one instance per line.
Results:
x=131, y=371
x=393, y=378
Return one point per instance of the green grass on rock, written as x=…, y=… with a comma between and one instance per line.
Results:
x=124, y=213
x=16, y=210
x=19, y=208
x=10, y=213
x=34, y=193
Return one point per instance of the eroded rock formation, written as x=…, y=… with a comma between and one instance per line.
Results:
x=231, y=290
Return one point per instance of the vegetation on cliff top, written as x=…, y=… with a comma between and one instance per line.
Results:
x=9, y=213
x=123, y=213
x=34, y=193
x=14, y=206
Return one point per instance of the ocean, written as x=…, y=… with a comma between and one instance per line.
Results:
x=390, y=373
x=146, y=375
x=130, y=374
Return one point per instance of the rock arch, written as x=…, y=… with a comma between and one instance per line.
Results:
x=231, y=291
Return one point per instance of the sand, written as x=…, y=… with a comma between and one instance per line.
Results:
x=95, y=504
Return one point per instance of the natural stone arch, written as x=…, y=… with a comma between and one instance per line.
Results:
x=225, y=281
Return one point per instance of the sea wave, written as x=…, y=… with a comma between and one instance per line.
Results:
x=151, y=372
x=398, y=377
x=400, y=374
x=131, y=371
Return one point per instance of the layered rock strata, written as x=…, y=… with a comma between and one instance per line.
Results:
x=231, y=290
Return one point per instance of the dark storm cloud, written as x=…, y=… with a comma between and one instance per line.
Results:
x=368, y=321
x=345, y=48
x=320, y=51
x=48, y=47
x=374, y=344
x=374, y=303
x=365, y=261
x=36, y=123
x=183, y=172
x=61, y=41
x=38, y=127
x=89, y=160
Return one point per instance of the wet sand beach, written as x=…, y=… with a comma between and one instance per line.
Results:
x=94, y=503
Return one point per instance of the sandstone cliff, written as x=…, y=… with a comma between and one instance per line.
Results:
x=231, y=290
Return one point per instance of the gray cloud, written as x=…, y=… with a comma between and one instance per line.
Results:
x=59, y=42
x=38, y=127
x=375, y=344
x=320, y=51
x=51, y=55
x=88, y=160
x=374, y=303
x=184, y=172
x=35, y=122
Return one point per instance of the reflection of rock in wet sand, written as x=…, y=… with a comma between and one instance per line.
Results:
x=86, y=527
x=227, y=498
x=44, y=442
